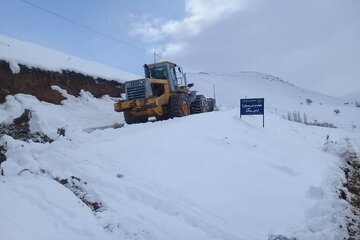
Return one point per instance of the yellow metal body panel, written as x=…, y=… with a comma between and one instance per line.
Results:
x=152, y=106
x=136, y=104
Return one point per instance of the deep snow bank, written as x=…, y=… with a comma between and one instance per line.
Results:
x=34, y=207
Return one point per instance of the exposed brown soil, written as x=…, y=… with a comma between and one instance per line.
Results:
x=38, y=82
x=280, y=237
x=352, y=184
x=2, y=157
x=20, y=129
x=76, y=185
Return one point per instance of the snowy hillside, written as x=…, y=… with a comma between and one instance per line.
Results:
x=19, y=52
x=205, y=176
x=280, y=97
x=352, y=96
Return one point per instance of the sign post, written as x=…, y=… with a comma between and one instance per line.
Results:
x=252, y=106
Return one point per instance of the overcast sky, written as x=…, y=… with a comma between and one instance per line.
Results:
x=312, y=43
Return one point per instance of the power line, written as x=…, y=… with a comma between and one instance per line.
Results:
x=88, y=28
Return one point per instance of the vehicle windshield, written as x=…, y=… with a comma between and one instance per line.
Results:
x=159, y=73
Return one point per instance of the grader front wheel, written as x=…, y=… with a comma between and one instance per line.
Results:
x=131, y=119
x=178, y=106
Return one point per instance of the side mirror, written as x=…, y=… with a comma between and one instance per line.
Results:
x=190, y=85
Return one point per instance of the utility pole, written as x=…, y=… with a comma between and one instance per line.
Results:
x=214, y=91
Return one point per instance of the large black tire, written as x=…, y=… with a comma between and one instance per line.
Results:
x=131, y=119
x=162, y=118
x=178, y=106
x=211, y=103
x=200, y=105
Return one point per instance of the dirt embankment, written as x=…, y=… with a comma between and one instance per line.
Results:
x=352, y=184
x=38, y=82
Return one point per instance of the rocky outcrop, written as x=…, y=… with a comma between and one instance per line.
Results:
x=20, y=129
x=2, y=156
x=38, y=82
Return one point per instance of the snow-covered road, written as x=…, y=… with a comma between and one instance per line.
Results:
x=207, y=176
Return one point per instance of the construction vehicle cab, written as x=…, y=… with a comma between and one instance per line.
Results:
x=163, y=93
x=169, y=71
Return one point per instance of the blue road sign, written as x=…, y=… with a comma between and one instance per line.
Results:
x=252, y=106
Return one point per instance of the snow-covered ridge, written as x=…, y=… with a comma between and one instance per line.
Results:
x=19, y=52
x=281, y=97
x=248, y=83
x=355, y=96
x=265, y=76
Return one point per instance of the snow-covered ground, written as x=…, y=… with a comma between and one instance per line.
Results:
x=206, y=176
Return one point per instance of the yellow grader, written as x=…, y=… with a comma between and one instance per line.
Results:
x=164, y=93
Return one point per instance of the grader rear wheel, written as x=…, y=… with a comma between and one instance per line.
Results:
x=200, y=105
x=211, y=103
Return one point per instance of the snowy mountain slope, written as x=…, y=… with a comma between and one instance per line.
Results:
x=19, y=52
x=280, y=97
x=207, y=176
x=355, y=96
